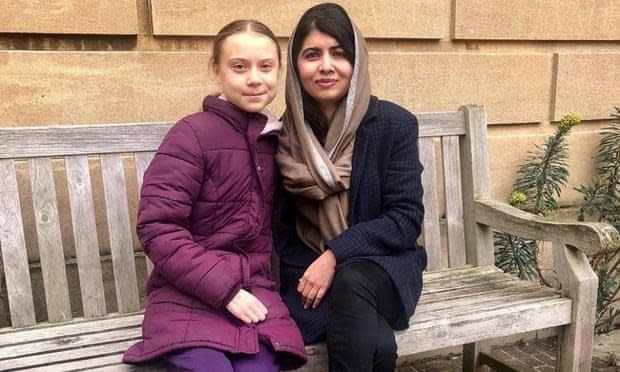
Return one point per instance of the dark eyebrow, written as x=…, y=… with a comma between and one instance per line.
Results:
x=315, y=49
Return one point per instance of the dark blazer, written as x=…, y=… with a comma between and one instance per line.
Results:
x=385, y=217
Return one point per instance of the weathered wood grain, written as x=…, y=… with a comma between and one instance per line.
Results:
x=589, y=237
x=50, y=241
x=432, y=239
x=436, y=124
x=85, y=235
x=580, y=283
x=79, y=354
x=471, y=327
x=454, y=200
x=67, y=343
x=476, y=183
x=120, y=235
x=14, y=256
x=80, y=139
x=77, y=326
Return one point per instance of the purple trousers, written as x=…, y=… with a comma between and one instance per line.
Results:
x=206, y=359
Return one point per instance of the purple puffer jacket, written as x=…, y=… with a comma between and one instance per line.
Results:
x=204, y=221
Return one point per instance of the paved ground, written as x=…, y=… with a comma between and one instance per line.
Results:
x=536, y=354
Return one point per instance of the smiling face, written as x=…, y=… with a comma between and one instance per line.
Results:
x=247, y=70
x=324, y=71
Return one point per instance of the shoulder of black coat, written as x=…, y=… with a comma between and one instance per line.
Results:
x=394, y=115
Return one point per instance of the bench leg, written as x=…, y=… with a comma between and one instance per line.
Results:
x=471, y=356
x=580, y=283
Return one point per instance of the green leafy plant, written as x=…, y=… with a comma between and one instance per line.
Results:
x=516, y=255
x=601, y=201
x=545, y=170
x=539, y=183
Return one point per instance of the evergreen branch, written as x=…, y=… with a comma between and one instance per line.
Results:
x=545, y=172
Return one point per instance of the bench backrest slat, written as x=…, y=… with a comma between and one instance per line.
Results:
x=476, y=178
x=49, y=239
x=142, y=161
x=454, y=200
x=81, y=139
x=14, y=255
x=128, y=138
x=119, y=227
x=435, y=124
x=432, y=237
x=85, y=235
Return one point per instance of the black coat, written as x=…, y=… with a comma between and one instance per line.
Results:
x=385, y=217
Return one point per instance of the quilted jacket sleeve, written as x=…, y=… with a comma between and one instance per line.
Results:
x=398, y=225
x=171, y=185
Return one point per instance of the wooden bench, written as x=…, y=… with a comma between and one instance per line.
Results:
x=466, y=299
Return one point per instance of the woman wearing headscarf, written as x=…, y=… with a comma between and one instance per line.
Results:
x=350, y=211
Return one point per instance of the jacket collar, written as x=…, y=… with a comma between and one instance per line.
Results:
x=238, y=118
x=371, y=113
x=360, y=150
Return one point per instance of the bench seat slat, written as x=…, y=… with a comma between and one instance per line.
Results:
x=77, y=326
x=49, y=239
x=454, y=200
x=464, y=286
x=14, y=256
x=467, y=291
x=143, y=159
x=48, y=359
x=484, y=302
x=432, y=239
x=475, y=326
x=67, y=343
x=120, y=234
x=468, y=275
x=85, y=235
x=456, y=272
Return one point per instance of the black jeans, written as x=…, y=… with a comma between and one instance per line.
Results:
x=359, y=337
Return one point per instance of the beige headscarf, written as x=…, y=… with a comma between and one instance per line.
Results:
x=319, y=176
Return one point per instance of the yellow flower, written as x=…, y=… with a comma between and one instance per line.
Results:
x=516, y=198
x=569, y=121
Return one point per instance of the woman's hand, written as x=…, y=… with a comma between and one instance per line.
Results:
x=317, y=279
x=247, y=308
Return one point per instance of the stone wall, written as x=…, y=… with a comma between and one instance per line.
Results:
x=529, y=62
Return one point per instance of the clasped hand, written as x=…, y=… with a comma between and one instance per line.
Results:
x=312, y=286
x=317, y=279
x=247, y=308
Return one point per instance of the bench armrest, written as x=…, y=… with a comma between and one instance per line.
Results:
x=589, y=237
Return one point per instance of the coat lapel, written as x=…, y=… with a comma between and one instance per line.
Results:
x=358, y=164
